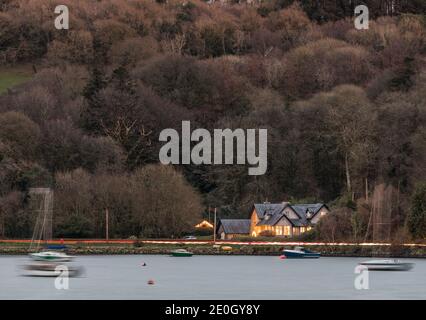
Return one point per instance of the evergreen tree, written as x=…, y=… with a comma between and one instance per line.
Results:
x=93, y=110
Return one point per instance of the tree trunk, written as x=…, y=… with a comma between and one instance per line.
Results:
x=366, y=189
x=1, y=225
x=106, y=224
x=348, y=176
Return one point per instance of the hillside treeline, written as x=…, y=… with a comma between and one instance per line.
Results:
x=345, y=109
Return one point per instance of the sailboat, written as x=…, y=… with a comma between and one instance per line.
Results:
x=380, y=216
x=45, y=262
x=43, y=226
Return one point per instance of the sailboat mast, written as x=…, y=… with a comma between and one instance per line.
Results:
x=42, y=200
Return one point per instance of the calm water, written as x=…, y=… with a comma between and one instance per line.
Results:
x=214, y=277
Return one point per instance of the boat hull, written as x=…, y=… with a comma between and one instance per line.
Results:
x=43, y=273
x=182, y=254
x=50, y=257
x=34, y=270
x=387, y=266
x=290, y=254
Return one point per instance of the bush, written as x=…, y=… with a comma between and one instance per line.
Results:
x=202, y=232
x=138, y=244
x=312, y=68
x=266, y=233
x=307, y=236
x=20, y=134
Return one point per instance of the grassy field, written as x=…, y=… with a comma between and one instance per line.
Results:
x=10, y=77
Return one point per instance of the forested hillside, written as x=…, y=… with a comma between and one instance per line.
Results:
x=345, y=109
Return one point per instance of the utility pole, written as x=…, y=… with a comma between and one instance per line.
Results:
x=106, y=224
x=214, y=231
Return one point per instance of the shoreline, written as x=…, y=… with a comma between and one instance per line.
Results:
x=334, y=250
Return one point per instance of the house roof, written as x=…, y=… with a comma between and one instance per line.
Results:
x=298, y=222
x=239, y=226
x=269, y=213
x=269, y=208
x=303, y=209
x=272, y=220
x=204, y=224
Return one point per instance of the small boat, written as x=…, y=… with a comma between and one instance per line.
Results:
x=46, y=269
x=181, y=253
x=301, y=253
x=387, y=265
x=51, y=256
x=57, y=247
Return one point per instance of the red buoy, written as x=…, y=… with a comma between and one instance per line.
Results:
x=151, y=282
x=283, y=257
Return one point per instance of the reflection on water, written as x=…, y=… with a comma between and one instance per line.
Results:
x=50, y=264
x=214, y=277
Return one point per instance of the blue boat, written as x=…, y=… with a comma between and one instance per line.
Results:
x=301, y=253
x=56, y=247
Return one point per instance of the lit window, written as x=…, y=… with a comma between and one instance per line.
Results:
x=286, y=230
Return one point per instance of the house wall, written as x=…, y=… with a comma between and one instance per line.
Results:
x=220, y=233
x=230, y=236
x=254, y=231
x=320, y=214
x=283, y=228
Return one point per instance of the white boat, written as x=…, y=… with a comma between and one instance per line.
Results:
x=387, y=265
x=50, y=270
x=51, y=256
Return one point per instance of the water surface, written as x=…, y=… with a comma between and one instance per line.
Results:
x=214, y=277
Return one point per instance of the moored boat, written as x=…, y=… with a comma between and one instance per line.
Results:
x=387, y=265
x=51, y=256
x=300, y=253
x=181, y=253
x=47, y=269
